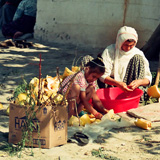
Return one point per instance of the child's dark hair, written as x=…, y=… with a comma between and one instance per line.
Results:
x=96, y=65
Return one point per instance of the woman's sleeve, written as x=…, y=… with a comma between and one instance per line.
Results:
x=108, y=62
x=148, y=74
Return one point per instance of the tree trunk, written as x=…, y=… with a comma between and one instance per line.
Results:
x=152, y=48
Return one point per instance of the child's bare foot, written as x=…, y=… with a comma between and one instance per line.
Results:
x=98, y=115
x=17, y=34
x=105, y=111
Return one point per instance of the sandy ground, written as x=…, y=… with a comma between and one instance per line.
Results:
x=126, y=142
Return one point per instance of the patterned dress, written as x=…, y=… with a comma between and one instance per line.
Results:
x=78, y=79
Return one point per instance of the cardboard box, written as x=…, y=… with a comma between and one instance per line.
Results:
x=51, y=119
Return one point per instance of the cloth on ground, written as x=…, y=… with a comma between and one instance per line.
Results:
x=17, y=43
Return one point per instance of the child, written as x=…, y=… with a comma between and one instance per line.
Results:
x=83, y=89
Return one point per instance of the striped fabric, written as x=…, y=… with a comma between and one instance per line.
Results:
x=135, y=69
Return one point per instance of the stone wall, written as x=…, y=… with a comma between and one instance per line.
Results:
x=94, y=22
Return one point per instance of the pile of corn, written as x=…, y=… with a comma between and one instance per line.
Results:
x=88, y=118
x=48, y=88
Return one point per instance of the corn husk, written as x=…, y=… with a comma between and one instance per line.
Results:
x=67, y=72
x=1, y=106
x=153, y=91
x=142, y=123
x=75, y=68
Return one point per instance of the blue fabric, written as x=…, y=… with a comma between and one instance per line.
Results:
x=8, y=12
x=26, y=7
x=24, y=24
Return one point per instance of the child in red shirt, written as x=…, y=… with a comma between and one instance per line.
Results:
x=83, y=89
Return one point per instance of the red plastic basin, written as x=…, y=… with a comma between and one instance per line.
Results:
x=118, y=100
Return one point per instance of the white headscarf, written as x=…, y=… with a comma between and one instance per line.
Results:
x=122, y=58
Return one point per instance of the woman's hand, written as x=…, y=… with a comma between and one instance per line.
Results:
x=123, y=86
x=134, y=84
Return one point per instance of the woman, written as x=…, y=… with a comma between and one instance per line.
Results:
x=125, y=65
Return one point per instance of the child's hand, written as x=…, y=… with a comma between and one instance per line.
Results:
x=105, y=111
x=98, y=115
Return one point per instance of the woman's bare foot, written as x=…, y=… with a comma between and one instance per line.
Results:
x=17, y=34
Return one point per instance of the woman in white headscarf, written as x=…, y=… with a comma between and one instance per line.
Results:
x=125, y=65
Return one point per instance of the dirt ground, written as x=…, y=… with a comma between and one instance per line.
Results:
x=121, y=142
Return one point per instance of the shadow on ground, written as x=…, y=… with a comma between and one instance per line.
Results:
x=148, y=141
